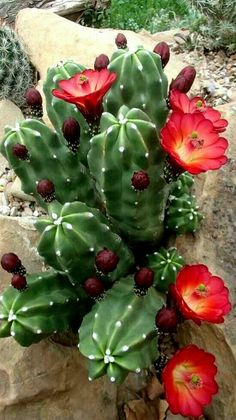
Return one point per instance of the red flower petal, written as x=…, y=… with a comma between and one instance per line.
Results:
x=192, y=143
x=189, y=382
x=201, y=296
x=86, y=90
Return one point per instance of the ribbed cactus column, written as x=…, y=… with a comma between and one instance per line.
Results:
x=141, y=83
x=46, y=156
x=16, y=73
x=127, y=163
x=73, y=235
x=127, y=341
x=59, y=111
x=49, y=304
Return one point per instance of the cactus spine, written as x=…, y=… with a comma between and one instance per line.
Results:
x=16, y=74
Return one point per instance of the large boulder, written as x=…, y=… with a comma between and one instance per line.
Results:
x=49, y=38
x=48, y=381
x=214, y=245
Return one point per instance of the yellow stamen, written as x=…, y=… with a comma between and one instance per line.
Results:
x=199, y=104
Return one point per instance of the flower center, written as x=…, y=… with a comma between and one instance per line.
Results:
x=198, y=104
x=83, y=79
x=202, y=290
x=195, y=141
x=195, y=382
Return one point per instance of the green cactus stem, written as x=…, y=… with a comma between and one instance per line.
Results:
x=127, y=145
x=58, y=110
x=141, y=83
x=16, y=74
x=165, y=264
x=124, y=341
x=73, y=235
x=182, y=213
x=48, y=158
x=48, y=305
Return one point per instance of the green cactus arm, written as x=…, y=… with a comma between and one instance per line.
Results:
x=125, y=341
x=182, y=185
x=165, y=264
x=73, y=235
x=49, y=158
x=128, y=144
x=141, y=83
x=58, y=110
x=49, y=304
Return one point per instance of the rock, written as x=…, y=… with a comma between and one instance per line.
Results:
x=48, y=381
x=49, y=38
x=214, y=245
x=20, y=236
x=16, y=191
x=9, y=115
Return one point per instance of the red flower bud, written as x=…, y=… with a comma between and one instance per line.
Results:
x=71, y=131
x=166, y=319
x=10, y=262
x=46, y=189
x=93, y=287
x=162, y=48
x=121, y=41
x=20, y=151
x=106, y=261
x=144, y=277
x=101, y=62
x=19, y=282
x=184, y=80
x=140, y=180
x=33, y=97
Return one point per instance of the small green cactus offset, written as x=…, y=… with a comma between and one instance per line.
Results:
x=16, y=73
x=100, y=174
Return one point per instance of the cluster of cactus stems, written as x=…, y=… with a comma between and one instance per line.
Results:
x=110, y=208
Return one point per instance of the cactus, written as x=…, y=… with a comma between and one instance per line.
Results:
x=103, y=184
x=141, y=83
x=49, y=304
x=16, y=74
x=182, y=213
x=48, y=158
x=127, y=341
x=73, y=236
x=127, y=145
x=165, y=264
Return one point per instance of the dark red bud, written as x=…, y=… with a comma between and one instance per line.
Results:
x=20, y=151
x=45, y=188
x=144, y=277
x=162, y=48
x=184, y=80
x=71, y=130
x=101, y=62
x=19, y=282
x=10, y=262
x=33, y=97
x=121, y=40
x=93, y=287
x=166, y=319
x=140, y=180
x=106, y=261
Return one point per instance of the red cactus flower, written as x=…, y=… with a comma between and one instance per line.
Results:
x=189, y=382
x=200, y=296
x=192, y=143
x=180, y=102
x=86, y=90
